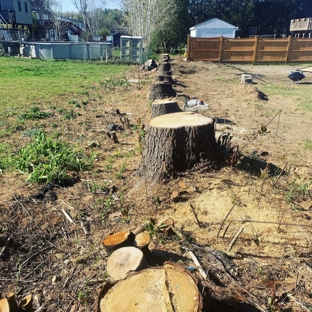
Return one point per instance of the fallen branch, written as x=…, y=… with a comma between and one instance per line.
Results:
x=68, y=217
x=196, y=262
x=5, y=246
x=195, y=215
x=21, y=204
x=235, y=238
x=225, y=219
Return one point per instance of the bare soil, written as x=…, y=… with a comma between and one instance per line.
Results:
x=266, y=198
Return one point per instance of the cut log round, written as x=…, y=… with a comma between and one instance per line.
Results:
x=142, y=240
x=12, y=302
x=176, y=143
x=26, y=303
x=161, y=90
x=168, y=288
x=124, y=260
x=165, y=106
x=4, y=305
x=118, y=240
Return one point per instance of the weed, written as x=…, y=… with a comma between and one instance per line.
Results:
x=84, y=292
x=119, y=174
x=67, y=114
x=108, y=202
x=5, y=159
x=299, y=191
x=49, y=160
x=307, y=144
x=120, y=83
x=35, y=113
x=75, y=103
x=153, y=228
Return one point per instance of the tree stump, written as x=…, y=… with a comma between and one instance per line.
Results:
x=166, y=78
x=176, y=143
x=165, y=57
x=161, y=90
x=124, y=260
x=169, y=288
x=164, y=67
x=162, y=107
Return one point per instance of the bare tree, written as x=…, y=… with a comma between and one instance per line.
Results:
x=90, y=11
x=145, y=16
x=55, y=8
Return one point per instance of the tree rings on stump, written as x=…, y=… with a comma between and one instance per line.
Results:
x=118, y=240
x=176, y=143
x=124, y=260
x=169, y=288
x=162, y=107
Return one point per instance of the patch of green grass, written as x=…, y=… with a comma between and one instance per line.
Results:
x=299, y=94
x=46, y=159
x=307, y=144
x=35, y=113
x=5, y=160
x=29, y=81
x=112, y=83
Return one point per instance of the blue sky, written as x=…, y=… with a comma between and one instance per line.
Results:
x=67, y=5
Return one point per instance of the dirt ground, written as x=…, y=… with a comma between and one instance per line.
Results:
x=264, y=202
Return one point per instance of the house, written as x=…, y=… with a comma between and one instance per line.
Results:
x=301, y=27
x=15, y=12
x=213, y=28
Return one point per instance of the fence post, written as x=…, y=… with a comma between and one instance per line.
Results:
x=221, y=49
x=188, y=48
x=288, y=49
x=255, y=50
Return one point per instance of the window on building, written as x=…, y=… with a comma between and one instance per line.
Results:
x=19, y=6
x=0, y=6
x=26, y=7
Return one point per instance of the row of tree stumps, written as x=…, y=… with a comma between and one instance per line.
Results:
x=175, y=141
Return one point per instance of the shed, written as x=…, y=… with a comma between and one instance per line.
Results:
x=213, y=28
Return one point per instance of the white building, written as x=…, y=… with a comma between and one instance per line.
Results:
x=213, y=28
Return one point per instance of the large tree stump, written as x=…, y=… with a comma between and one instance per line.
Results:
x=169, y=288
x=176, y=143
x=161, y=90
x=162, y=107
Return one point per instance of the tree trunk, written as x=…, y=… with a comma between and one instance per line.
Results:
x=176, y=143
x=161, y=90
x=162, y=107
x=169, y=288
x=124, y=260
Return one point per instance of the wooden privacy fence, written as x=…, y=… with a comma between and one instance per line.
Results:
x=250, y=50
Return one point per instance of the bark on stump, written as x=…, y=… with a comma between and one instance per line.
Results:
x=166, y=78
x=169, y=288
x=162, y=107
x=164, y=67
x=161, y=90
x=176, y=143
